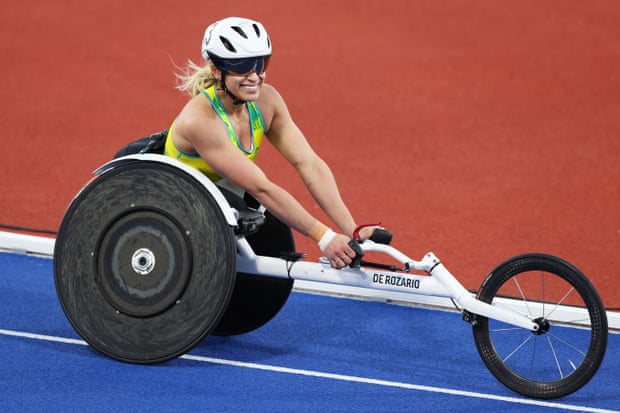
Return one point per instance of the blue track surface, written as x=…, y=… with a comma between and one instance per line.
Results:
x=319, y=354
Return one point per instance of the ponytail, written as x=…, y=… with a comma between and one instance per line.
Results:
x=195, y=78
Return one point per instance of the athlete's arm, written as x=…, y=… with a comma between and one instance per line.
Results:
x=315, y=173
x=209, y=138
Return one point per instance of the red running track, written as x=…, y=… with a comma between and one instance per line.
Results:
x=475, y=129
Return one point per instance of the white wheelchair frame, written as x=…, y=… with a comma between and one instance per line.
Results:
x=438, y=283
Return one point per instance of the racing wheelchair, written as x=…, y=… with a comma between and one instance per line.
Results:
x=151, y=257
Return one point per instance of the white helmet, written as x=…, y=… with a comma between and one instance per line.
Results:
x=237, y=44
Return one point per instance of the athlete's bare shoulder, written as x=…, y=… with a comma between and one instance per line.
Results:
x=270, y=103
x=269, y=94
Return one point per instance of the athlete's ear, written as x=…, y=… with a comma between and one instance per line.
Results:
x=217, y=73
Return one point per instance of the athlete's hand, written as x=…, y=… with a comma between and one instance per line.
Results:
x=338, y=252
x=375, y=233
x=366, y=232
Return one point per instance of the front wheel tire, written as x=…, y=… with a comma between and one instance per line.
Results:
x=567, y=352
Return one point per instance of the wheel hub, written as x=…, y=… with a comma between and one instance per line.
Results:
x=543, y=326
x=143, y=264
x=143, y=261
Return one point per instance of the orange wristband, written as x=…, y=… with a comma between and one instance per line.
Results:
x=318, y=231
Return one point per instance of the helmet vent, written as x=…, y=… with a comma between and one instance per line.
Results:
x=227, y=44
x=256, y=29
x=240, y=31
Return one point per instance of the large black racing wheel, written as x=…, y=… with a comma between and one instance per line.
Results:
x=144, y=262
x=258, y=298
x=570, y=345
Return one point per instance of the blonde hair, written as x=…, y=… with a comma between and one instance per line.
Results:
x=195, y=78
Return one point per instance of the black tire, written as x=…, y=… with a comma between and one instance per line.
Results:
x=557, y=360
x=144, y=262
x=257, y=299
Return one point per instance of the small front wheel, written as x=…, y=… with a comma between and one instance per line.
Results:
x=569, y=347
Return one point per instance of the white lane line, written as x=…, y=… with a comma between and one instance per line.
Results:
x=340, y=377
x=42, y=337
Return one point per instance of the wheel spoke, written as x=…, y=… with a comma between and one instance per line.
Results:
x=542, y=298
x=555, y=356
x=523, y=297
x=562, y=300
x=519, y=347
x=506, y=329
x=567, y=344
x=533, y=359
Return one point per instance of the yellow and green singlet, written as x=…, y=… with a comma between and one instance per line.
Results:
x=257, y=125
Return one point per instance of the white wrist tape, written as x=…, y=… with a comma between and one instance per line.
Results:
x=326, y=239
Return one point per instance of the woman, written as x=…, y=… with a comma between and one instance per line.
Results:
x=220, y=130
